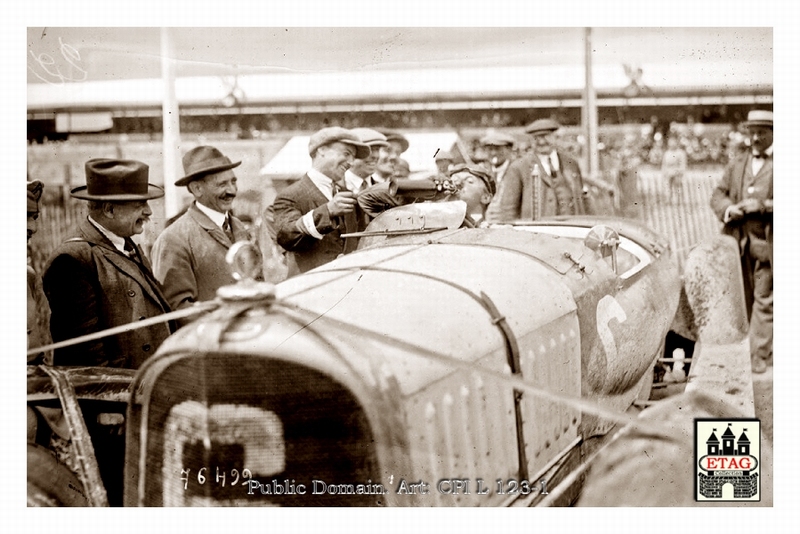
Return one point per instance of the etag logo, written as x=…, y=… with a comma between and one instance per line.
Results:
x=727, y=466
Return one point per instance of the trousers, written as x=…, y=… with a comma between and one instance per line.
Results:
x=761, y=314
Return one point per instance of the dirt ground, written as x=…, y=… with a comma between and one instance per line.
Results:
x=762, y=395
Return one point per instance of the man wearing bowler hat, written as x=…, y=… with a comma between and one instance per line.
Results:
x=544, y=183
x=99, y=279
x=743, y=202
x=189, y=255
x=310, y=214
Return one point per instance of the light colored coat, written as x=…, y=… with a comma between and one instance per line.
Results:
x=189, y=258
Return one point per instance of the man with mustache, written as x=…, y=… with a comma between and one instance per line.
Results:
x=310, y=215
x=189, y=255
x=545, y=182
x=100, y=279
x=743, y=202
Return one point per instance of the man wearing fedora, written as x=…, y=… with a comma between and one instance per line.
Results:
x=499, y=150
x=189, y=255
x=743, y=202
x=310, y=213
x=544, y=183
x=100, y=279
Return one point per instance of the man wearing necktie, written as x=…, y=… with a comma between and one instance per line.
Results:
x=99, y=279
x=743, y=202
x=499, y=148
x=310, y=213
x=189, y=255
x=544, y=183
x=358, y=178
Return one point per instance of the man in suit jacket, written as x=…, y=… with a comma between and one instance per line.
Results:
x=358, y=178
x=743, y=202
x=499, y=150
x=544, y=183
x=309, y=214
x=100, y=279
x=389, y=156
x=189, y=255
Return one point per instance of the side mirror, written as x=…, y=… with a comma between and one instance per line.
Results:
x=605, y=240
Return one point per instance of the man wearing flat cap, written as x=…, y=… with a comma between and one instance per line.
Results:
x=443, y=160
x=310, y=214
x=389, y=155
x=544, y=183
x=743, y=202
x=189, y=255
x=477, y=187
x=359, y=175
x=498, y=148
x=473, y=184
x=38, y=309
x=100, y=279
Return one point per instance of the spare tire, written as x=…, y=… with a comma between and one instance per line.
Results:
x=50, y=482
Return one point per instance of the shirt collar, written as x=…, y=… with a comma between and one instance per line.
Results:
x=503, y=167
x=215, y=216
x=323, y=183
x=354, y=182
x=117, y=241
x=551, y=160
x=768, y=151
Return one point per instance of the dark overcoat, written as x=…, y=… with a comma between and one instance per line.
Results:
x=92, y=286
x=754, y=232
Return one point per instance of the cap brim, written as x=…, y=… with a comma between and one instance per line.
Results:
x=541, y=130
x=403, y=143
x=211, y=170
x=362, y=150
x=377, y=143
x=153, y=191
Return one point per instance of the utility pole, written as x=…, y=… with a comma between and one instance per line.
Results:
x=589, y=120
x=171, y=126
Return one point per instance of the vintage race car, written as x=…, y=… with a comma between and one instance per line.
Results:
x=436, y=366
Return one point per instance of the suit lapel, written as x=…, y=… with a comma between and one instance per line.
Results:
x=316, y=198
x=546, y=178
x=208, y=225
x=765, y=171
x=124, y=264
